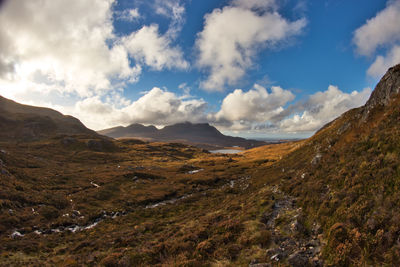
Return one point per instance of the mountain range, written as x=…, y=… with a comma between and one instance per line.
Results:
x=29, y=123
x=197, y=134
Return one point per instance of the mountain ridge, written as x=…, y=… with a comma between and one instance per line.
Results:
x=25, y=122
x=200, y=133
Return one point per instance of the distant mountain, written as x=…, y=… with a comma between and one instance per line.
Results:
x=24, y=122
x=133, y=130
x=187, y=132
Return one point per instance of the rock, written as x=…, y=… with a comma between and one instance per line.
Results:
x=298, y=259
x=312, y=243
x=343, y=128
x=16, y=234
x=272, y=251
x=387, y=88
x=317, y=159
x=296, y=226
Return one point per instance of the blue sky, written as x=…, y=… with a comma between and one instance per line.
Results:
x=322, y=55
x=259, y=68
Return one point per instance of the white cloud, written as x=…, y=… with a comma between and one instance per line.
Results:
x=70, y=46
x=241, y=110
x=174, y=10
x=383, y=63
x=381, y=32
x=322, y=108
x=261, y=111
x=129, y=14
x=67, y=49
x=148, y=47
x=156, y=107
x=227, y=46
x=256, y=4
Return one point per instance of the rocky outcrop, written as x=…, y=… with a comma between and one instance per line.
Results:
x=387, y=89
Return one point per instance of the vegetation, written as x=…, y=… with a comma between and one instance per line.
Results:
x=331, y=200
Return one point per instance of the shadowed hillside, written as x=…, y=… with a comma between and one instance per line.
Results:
x=23, y=122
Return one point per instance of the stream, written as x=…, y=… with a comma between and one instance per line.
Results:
x=241, y=182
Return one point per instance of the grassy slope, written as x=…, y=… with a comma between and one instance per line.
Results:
x=351, y=191
x=219, y=222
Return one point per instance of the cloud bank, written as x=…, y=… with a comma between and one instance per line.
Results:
x=76, y=50
x=240, y=110
x=321, y=108
x=260, y=110
x=156, y=107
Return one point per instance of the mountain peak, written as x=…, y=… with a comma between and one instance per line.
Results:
x=387, y=88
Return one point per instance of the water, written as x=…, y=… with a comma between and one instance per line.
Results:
x=74, y=228
x=226, y=151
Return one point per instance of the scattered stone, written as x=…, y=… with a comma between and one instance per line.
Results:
x=195, y=171
x=95, y=185
x=317, y=159
x=16, y=234
x=343, y=128
x=298, y=259
x=276, y=257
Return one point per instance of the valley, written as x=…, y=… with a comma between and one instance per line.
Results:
x=73, y=199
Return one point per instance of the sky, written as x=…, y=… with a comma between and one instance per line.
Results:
x=252, y=68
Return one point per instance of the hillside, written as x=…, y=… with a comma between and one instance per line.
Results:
x=23, y=122
x=133, y=130
x=347, y=177
x=330, y=200
x=182, y=132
